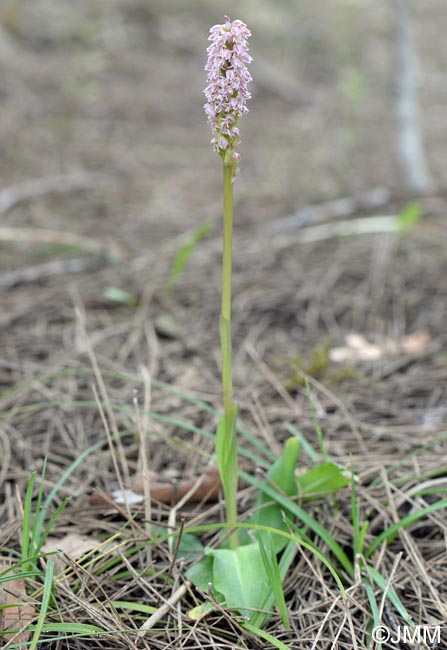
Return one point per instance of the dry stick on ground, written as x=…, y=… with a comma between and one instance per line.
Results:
x=388, y=585
x=410, y=141
x=56, y=184
x=342, y=208
x=36, y=274
x=347, y=228
x=46, y=236
x=164, y=609
x=5, y=455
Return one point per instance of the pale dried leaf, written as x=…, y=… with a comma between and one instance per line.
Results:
x=358, y=348
x=416, y=342
x=73, y=545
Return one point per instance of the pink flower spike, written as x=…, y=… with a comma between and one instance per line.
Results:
x=227, y=79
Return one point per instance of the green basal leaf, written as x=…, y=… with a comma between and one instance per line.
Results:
x=322, y=479
x=282, y=476
x=240, y=580
x=201, y=574
x=190, y=546
x=240, y=576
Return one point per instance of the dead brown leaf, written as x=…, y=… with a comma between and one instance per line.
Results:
x=15, y=612
x=207, y=488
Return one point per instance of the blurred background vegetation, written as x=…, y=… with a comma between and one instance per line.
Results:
x=116, y=87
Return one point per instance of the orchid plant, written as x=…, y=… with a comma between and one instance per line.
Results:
x=227, y=94
x=245, y=573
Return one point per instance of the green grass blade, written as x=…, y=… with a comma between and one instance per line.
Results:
x=271, y=566
x=355, y=517
x=412, y=454
x=27, y=517
x=185, y=253
x=260, y=618
x=40, y=513
x=410, y=215
x=134, y=607
x=266, y=636
x=47, y=588
x=373, y=605
x=52, y=521
x=7, y=576
x=389, y=533
x=315, y=422
x=390, y=594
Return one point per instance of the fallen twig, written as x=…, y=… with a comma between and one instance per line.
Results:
x=410, y=141
x=33, y=274
x=56, y=184
x=164, y=609
x=334, y=209
x=45, y=236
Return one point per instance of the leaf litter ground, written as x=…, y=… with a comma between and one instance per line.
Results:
x=294, y=302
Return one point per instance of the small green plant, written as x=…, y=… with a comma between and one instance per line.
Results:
x=411, y=214
x=185, y=252
x=317, y=366
x=35, y=531
x=122, y=297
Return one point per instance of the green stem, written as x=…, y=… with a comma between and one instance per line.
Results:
x=225, y=337
x=227, y=381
